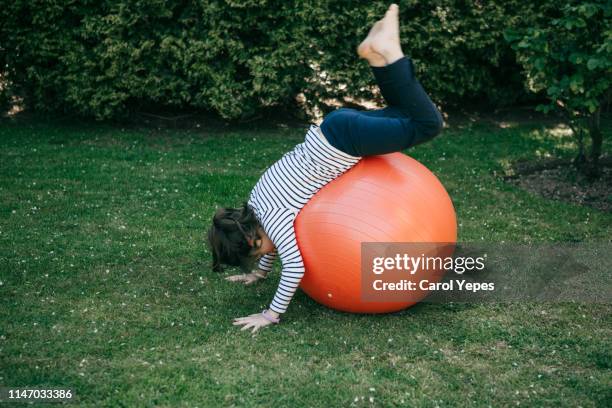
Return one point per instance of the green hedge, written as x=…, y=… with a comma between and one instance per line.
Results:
x=107, y=58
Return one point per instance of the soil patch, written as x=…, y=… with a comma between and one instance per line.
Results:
x=558, y=180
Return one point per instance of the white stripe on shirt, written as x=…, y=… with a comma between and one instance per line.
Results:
x=282, y=191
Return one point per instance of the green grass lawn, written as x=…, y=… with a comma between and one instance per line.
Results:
x=105, y=285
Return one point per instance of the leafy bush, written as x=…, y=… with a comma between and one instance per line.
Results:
x=571, y=59
x=107, y=58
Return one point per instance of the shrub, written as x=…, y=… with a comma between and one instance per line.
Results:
x=108, y=58
x=571, y=59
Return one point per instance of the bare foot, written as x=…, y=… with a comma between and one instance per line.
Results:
x=383, y=38
x=365, y=51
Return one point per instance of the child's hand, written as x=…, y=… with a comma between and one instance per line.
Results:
x=247, y=278
x=254, y=321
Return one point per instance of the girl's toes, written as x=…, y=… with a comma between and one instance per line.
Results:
x=392, y=12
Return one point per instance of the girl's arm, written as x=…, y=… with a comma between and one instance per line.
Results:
x=279, y=225
x=280, y=229
x=266, y=262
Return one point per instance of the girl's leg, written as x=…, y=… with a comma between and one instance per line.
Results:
x=411, y=118
x=401, y=90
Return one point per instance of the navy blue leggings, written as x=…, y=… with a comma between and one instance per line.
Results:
x=409, y=119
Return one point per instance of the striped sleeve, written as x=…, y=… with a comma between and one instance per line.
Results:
x=266, y=261
x=279, y=227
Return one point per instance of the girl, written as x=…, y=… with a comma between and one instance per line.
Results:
x=263, y=228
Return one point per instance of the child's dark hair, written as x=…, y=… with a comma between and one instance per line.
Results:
x=228, y=237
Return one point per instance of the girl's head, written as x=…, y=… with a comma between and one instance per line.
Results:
x=234, y=237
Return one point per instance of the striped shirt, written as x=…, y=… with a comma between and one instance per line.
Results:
x=279, y=195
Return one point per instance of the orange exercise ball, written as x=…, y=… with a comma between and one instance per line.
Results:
x=386, y=198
